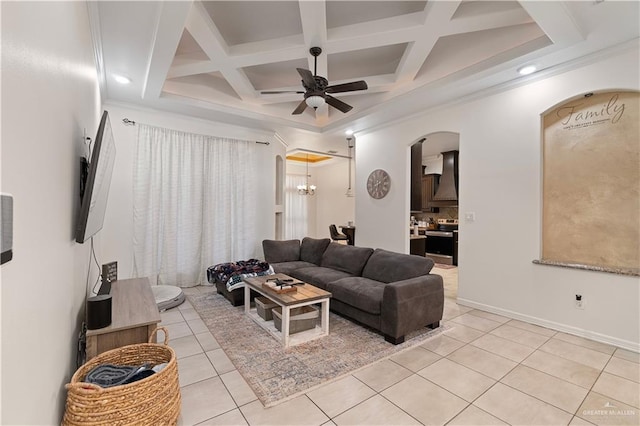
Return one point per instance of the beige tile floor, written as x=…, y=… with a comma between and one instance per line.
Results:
x=486, y=370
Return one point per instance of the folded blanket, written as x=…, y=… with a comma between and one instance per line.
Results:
x=232, y=273
x=108, y=375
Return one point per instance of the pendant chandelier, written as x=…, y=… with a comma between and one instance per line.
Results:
x=307, y=189
x=349, y=192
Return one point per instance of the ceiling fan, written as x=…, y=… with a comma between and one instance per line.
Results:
x=317, y=88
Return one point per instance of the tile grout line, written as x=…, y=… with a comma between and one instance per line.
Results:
x=505, y=384
x=591, y=388
x=447, y=390
x=218, y=375
x=484, y=333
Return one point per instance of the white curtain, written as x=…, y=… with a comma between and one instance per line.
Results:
x=193, y=204
x=296, y=210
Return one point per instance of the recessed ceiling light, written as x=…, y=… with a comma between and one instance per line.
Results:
x=527, y=69
x=121, y=79
x=348, y=132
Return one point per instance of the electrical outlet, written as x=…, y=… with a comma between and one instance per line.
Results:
x=579, y=301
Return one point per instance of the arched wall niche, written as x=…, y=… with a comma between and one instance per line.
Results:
x=591, y=182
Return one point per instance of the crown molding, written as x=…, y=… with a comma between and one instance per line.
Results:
x=582, y=61
x=96, y=39
x=279, y=138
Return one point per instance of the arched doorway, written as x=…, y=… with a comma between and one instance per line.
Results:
x=437, y=215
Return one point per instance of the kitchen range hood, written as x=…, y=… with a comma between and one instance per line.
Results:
x=447, y=192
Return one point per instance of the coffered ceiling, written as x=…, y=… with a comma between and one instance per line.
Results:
x=212, y=59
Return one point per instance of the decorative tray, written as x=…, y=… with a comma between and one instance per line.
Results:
x=278, y=286
x=277, y=289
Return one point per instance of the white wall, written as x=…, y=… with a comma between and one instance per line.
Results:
x=333, y=206
x=49, y=95
x=500, y=163
x=294, y=168
x=382, y=223
x=117, y=234
x=329, y=204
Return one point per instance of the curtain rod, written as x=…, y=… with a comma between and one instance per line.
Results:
x=128, y=122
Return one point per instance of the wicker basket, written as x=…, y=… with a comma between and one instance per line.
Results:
x=264, y=307
x=154, y=400
x=300, y=319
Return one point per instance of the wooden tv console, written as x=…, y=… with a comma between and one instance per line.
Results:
x=134, y=316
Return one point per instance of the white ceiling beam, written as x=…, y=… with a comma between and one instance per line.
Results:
x=267, y=51
x=192, y=68
x=381, y=32
x=166, y=38
x=489, y=21
x=438, y=16
x=556, y=21
x=313, y=16
x=208, y=37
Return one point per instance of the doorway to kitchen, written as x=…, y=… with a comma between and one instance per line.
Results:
x=434, y=203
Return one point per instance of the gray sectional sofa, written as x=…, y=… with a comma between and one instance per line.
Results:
x=391, y=292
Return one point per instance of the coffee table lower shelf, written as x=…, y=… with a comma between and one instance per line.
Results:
x=283, y=336
x=294, y=339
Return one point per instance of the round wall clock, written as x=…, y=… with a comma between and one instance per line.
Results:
x=378, y=184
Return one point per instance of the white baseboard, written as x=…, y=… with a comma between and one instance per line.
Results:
x=598, y=337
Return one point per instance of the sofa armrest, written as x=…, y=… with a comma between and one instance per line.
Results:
x=411, y=304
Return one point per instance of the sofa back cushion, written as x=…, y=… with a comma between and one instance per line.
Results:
x=349, y=259
x=312, y=249
x=281, y=251
x=388, y=266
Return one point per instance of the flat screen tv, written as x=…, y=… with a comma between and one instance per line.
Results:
x=96, y=184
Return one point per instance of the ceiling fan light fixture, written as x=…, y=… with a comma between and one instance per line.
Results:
x=315, y=101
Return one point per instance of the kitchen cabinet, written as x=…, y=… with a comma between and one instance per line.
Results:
x=416, y=174
x=429, y=188
x=417, y=245
x=455, y=248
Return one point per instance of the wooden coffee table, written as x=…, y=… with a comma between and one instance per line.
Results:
x=306, y=294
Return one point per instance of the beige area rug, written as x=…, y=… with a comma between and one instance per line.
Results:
x=276, y=374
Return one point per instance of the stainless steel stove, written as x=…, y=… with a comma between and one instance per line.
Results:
x=440, y=244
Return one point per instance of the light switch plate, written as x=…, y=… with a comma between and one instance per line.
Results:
x=470, y=216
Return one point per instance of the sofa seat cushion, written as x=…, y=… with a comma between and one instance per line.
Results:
x=349, y=259
x=362, y=293
x=287, y=268
x=318, y=276
x=312, y=249
x=387, y=266
x=276, y=251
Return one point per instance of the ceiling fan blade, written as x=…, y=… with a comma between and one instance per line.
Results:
x=307, y=78
x=300, y=109
x=275, y=92
x=348, y=87
x=337, y=103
